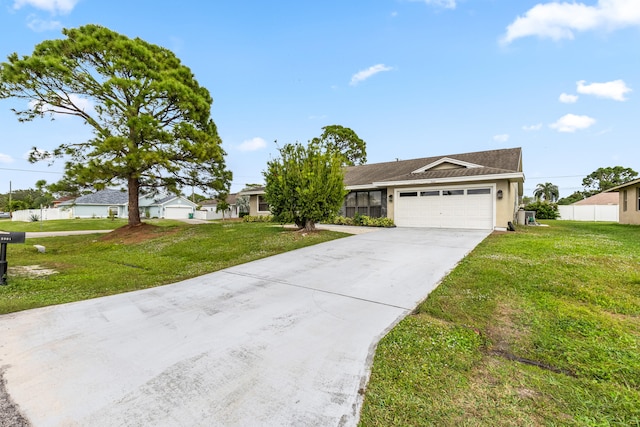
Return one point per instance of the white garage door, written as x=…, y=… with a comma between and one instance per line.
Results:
x=177, y=212
x=445, y=207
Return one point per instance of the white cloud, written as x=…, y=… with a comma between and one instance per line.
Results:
x=532, y=127
x=252, y=144
x=5, y=158
x=363, y=75
x=39, y=25
x=53, y=6
x=501, y=138
x=447, y=4
x=561, y=20
x=567, y=98
x=571, y=123
x=613, y=90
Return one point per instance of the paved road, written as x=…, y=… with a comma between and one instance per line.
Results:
x=283, y=341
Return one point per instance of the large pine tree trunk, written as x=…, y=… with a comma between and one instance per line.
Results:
x=134, y=201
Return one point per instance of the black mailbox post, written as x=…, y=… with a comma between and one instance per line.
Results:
x=7, y=237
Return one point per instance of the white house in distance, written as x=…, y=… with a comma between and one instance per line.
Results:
x=104, y=203
x=211, y=208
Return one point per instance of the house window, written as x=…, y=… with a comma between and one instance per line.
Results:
x=624, y=200
x=409, y=194
x=113, y=211
x=263, y=206
x=452, y=192
x=364, y=203
x=430, y=193
x=638, y=199
x=478, y=191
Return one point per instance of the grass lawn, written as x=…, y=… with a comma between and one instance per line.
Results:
x=75, y=268
x=62, y=225
x=540, y=327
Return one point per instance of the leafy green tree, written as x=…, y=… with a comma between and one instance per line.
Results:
x=149, y=116
x=26, y=199
x=603, y=179
x=344, y=141
x=576, y=196
x=547, y=191
x=222, y=205
x=305, y=185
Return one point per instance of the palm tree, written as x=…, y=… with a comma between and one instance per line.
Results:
x=547, y=191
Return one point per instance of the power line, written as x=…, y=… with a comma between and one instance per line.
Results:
x=30, y=170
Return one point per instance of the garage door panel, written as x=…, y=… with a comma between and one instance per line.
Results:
x=447, y=208
x=176, y=212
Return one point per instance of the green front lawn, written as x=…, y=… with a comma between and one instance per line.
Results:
x=540, y=327
x=62, y=225
x=75, y=268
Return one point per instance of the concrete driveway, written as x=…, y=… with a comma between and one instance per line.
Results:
x=283, y=341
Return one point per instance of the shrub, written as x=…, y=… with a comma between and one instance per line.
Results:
x=544, y=210
x=342, y=220
x=34, y=218
x=258, y=218
x=363, y=220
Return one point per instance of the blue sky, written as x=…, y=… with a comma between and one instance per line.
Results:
x=413, y=78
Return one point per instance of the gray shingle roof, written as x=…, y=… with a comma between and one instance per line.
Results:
x=104, y=197
x=493, y=162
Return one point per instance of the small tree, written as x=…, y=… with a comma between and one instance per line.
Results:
x=547, y=191
x=222, y=205
x=305, y=185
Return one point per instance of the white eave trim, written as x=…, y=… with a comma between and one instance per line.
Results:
x=519, y=176
x=361, y=186
x=447, y=160
x=251, y=193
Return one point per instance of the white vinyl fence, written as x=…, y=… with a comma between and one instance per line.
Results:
x=47, y=214
x=589, y=212
x=212, y=214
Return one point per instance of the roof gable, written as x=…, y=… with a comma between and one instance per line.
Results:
x=446, y=163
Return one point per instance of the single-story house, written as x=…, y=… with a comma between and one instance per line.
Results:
x=628, y=202
x=104, y=203
x=599, y=207
x=478, y=190
x=211, y=208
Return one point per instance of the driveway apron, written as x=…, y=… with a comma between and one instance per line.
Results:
x=285, y=341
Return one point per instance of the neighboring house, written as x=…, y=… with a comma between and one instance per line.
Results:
x=599, y=207
x=104, y=203
x=628, y=202
x=478, y=190
x=211, y=208
x=56, y=203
